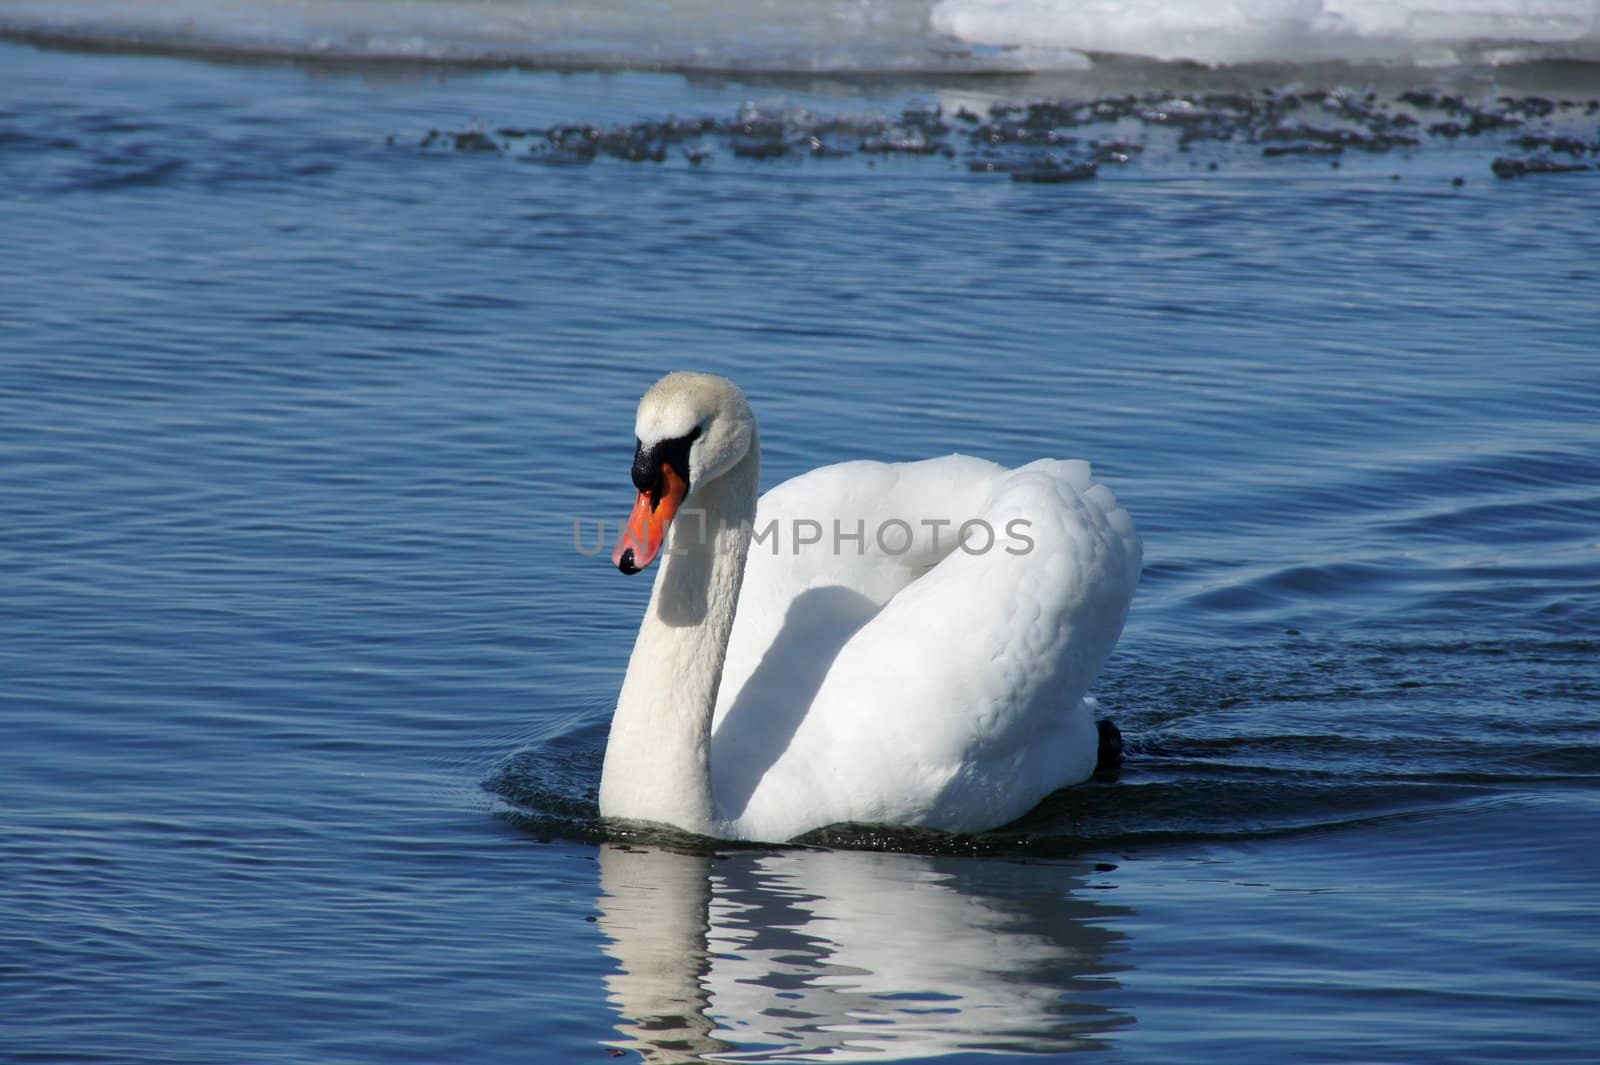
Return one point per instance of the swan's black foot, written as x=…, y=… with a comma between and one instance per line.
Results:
x=1110, y=758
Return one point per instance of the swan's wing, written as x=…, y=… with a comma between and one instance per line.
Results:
x=958, y=705
x=879, y=525
x=863, y=530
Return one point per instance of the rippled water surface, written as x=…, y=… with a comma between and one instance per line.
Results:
x=305, y=685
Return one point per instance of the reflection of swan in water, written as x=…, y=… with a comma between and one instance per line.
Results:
x=850, y=955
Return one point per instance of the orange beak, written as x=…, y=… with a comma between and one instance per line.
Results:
x=646, y=531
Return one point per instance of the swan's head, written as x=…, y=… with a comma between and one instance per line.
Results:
x=691, y=429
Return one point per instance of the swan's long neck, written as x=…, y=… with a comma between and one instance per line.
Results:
x=657, y=764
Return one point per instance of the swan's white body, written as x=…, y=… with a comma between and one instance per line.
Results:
x=885, y=674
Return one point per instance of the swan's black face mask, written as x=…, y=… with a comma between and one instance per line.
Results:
x=647, y=463
x=661, y=474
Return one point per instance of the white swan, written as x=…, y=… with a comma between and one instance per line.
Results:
x=883, y=673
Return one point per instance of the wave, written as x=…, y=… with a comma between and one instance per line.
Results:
x=829, y=36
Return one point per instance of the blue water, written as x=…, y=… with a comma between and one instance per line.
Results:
x=304, y=684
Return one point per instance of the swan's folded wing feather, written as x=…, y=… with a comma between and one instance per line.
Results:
x=881, y=526
x=958, y=705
